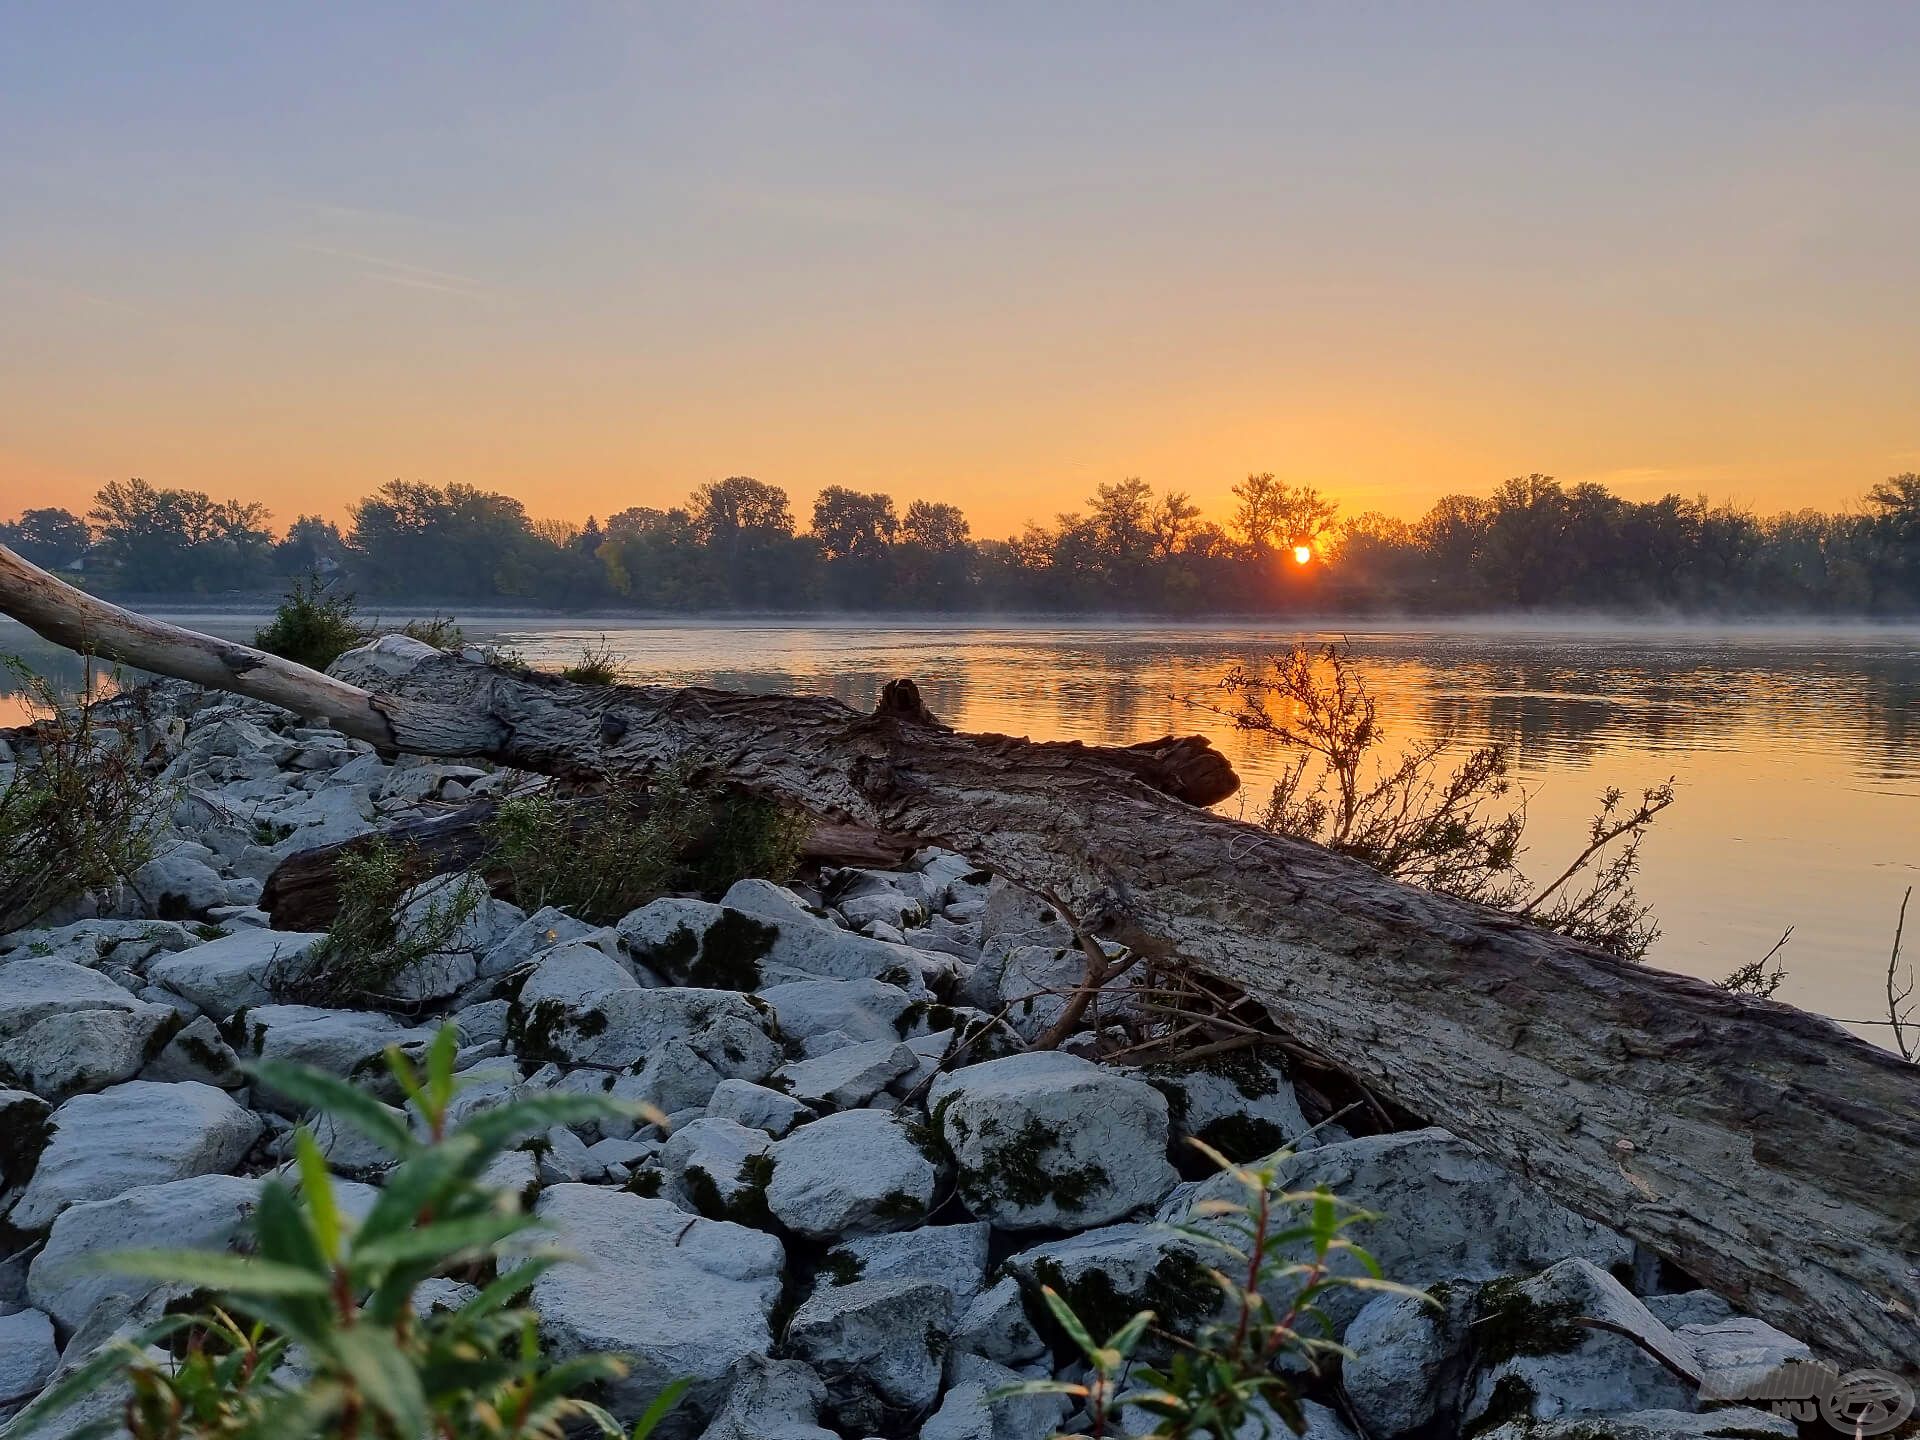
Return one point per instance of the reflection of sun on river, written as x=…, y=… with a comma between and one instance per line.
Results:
x=1796, y=751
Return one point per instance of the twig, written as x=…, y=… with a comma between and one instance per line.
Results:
x=1909, y=1048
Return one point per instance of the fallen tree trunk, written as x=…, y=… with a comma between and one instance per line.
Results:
x=1764, y=1150
x=303, y=892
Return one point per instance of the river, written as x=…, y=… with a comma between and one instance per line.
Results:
x=1795, y=750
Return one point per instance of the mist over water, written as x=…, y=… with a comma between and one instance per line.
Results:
x=1795, y=748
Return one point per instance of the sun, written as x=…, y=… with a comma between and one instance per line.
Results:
x=1302, y=554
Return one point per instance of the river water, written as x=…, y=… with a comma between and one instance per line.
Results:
x=1795, y=750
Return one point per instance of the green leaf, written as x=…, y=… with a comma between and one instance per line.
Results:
x=216, y=1270
x=443, y=1241
x=420, y=1181
x=285, y=1231
x=384, y=1375
x=440, y=1057
x=1128, y=1335
x=504, y=1124
x=317, y=1186
x=329, y=1094
x=661, y=1407
x=401, y=1068
x=1069, y=1322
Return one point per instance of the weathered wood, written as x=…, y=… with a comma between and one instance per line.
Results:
x=1766, y=1151
x=303, y=892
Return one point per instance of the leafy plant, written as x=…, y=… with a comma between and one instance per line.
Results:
x=442, y=632
x=634, y=845
x=370, y=942
x=1224, y=1377
x=314, y=625
x=371, y=1362
x=1453, y=830
x=79, y=814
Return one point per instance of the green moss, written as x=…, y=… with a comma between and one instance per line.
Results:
x=748, y=1204
x=926, y=1017
x=26, y=1125
x=1242, y=1138
x=534, y=1032
x=1179, y=1291
x=644, y=1182
x=925, y=1135
x=1508, y=1322
x=727, y=957
x=899, y=1205
x=1512, y=1400
x=841, y=1267
x=1016, y=1168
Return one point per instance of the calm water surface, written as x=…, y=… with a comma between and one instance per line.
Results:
x=1796, y=751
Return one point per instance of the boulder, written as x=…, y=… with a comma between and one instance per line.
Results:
x=772, y=1400
x=995, y=1325
x=228, y=974
x=860, y=1009
x=204, y=1212
x=25, y=1128
x=718, y=1169
x=951, y=1255
x=1737, y=1357
x=179, y=883
x=975, y=1409
x=757, y=1106
x=849, y=1076
x=1242, y=1105
x=1110, y=1274
x=540, y=931
x=27, y=1356
x=1049, y=1141
x=1747, y=1424
x=694, y=942
x=677, y=1296
x=80, y=1050
x=197, y=1052
x=125, y=943
x=31, y=989
x=774, y=902
x=573, y=973
x=855, y=1171
x=1535, y=1359
x=1446, y=1211
x=878, y=1344
x=618, y=1028
x=1407, y=1360
x=132, y=1135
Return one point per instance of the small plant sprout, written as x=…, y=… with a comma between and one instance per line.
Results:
x=1269, y=1243
x=340, y=1293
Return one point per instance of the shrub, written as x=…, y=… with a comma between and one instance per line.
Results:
x=1225, y=1376
x=79, y=814
x=442, y=632
x=342, y=1292
x=314, y=625
x=636, y=844
x=367, y=945
x=595, y=666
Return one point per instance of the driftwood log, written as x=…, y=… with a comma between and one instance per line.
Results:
x=1764, y=1150
x=303, y=892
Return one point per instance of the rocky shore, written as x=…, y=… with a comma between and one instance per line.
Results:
x=867, y=1173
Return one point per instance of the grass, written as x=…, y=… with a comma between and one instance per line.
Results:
x=314, y=625
x=596, y=666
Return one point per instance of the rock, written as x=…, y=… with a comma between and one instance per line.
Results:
x=350, y=1152
x=1011, y=917
x=1446, y=1211
x=974, y=1410
x=1533, y=1361
x=179, y=883
x=951, y=1255
x=196, y=1052
x=205, y=1212
x=342, y=1042
x=132, y=1135
x=1048, y=1141
x=854, y=1171
x=995, y=1326
x=31, y=989
x=459, y=918
x=1737, y=1357
x=1110, y=1274
x=883, y=907
x=718, y=1169
x=622, y=1027
x=126, y=943
x=878, y=1345
x=774, y=902
x=1694, y=1307
x=1650, y=1425
x=572, y=974
x=1037, y=982
x=693, y=942
x=678, y=1296
x=862, y=1009
x=772, y=1400
x=564, y=1158
x=1406, y=1361
x=757, y=1107
x=849, y=1076
x=25, y=1129
x=27, y=1356
x=1243, y=1105
x=226, y=975
x=540, y=931
x=81, y=1050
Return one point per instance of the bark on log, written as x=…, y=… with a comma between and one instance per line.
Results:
x=1764, y=1150
x=303, y=892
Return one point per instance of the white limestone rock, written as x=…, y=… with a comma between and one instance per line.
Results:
x=1650, y=1425
x=618, y=1028
x=1049, y=1141
x=1407, y=1362
x=79, y=1050
x=974, y=1409
x=717, y=1168
x=877, y=1344
x=678, y=1296
x=849, y=1076
x=694, y=942
x=349, y=1043
x=851, y=1172
x=995, y=1325
x=757, y=1106
x=229, y=974
x=861, y=1009
x=28, y=1356
x=24, y=1132
x=136, y=1134
x=772, y=1400
x=1246, y=1108
x=951, y=1255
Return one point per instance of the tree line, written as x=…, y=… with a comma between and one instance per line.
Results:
x=1533, y=543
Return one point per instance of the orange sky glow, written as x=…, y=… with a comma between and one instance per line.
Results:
x=594, y=259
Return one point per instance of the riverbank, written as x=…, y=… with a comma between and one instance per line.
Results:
x=879, y=1166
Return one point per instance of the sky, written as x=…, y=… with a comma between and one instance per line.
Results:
x=596, y=255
